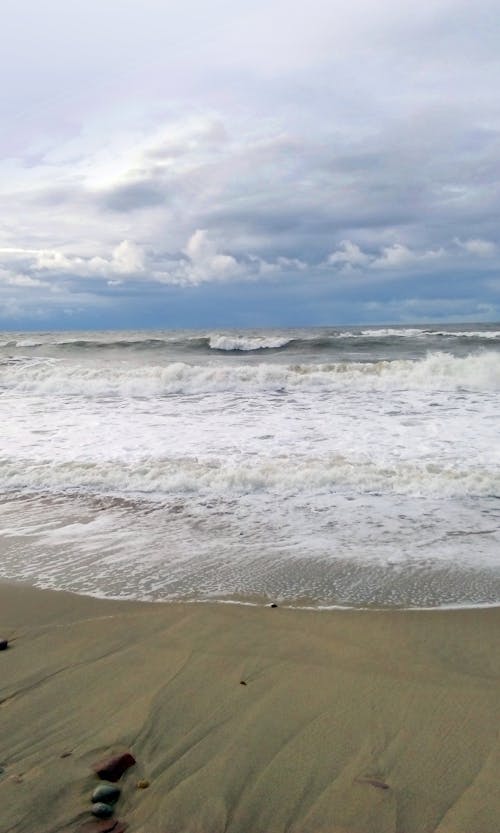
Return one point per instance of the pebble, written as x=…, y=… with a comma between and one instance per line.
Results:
x=102, y=811
x=102, y=826
x=106, y=793
x=112, y=769
x=374, y=782
x=143, y=784
x=4, y=644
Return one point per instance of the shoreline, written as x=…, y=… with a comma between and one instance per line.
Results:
x=350, y=721
x=260, y=603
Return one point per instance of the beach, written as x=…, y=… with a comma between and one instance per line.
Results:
x=249, y=718
x=160, y=489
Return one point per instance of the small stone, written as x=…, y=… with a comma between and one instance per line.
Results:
x=106, y=793
x=374, y=782
x=107, y=826
x=4, y=644
x=112, y=769
x=143, y=784
x=102, y=810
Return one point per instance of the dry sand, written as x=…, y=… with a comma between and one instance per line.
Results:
x=360, y=722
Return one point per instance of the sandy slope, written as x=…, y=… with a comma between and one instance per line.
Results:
x=337, y=706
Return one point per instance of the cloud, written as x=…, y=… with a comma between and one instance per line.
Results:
x=9, y=278
x=398, y=256
x=481, y=248
x=128, y=259
x=205, y=262
x=350, y=256
x=306, y=150
x=133, y=196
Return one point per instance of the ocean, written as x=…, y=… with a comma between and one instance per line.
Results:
x=326, y=467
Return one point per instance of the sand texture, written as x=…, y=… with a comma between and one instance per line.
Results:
x=349, y=722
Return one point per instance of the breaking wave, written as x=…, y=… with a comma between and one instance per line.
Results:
x=322, y=340
x=437, y=371
x=246, y=343
x=285, y=475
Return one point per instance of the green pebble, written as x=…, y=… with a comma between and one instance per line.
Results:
x=107, y=793
x=102, y=811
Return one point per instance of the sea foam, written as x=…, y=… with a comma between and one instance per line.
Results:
x=479, y=371
x=335, y=465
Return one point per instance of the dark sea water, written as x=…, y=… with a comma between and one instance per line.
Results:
x=333, y=466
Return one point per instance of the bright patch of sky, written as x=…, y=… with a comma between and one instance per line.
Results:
x=278, y=163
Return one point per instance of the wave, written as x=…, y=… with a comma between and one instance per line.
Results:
x=246, y=342
x=414, y=332
x=286, y=475
x=226, y=343
x=388, y=332
x=437, y=371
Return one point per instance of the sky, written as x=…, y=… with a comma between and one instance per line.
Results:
x=243, y=164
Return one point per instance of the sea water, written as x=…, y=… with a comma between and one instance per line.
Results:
x=338, y=466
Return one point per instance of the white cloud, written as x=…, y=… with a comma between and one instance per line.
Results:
x=476, y=246
x=397, y=256
x=394, y=256
x=349, y=254
x=128, y=258
x=25, y=280
x=205, y=262
x=19, y=279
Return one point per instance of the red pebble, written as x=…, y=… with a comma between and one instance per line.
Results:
x=104, y=826
x=112, y=769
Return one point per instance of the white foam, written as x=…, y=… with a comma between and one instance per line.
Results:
x=390, y=332
x=342, y=553
x=233, y=469
x=28, y=342
x=416, y=332
x=286, y=475
x=246, y=343
x=492, y=335
x=438, y=371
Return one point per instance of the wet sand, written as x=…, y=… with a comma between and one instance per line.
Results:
x=349, y=722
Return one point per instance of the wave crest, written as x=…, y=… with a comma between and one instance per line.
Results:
x=246, y=343
x=437, y=371
x=287, y=475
